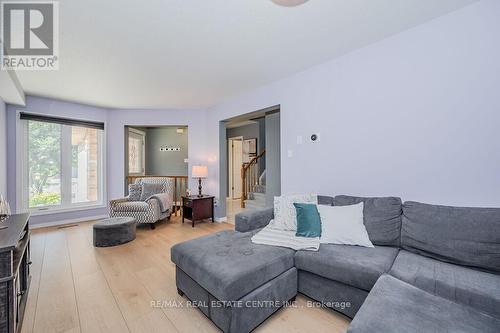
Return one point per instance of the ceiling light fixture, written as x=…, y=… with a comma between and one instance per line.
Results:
x=289, y=3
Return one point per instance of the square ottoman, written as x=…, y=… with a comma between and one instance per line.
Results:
x=235, y=283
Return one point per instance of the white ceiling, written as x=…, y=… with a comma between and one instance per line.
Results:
x=197, y=53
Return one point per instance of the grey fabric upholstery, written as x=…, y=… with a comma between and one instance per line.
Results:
x=395, y=306
x=113, y=231
x=356, y=266
x=228, y=265
x=246, y=313
x=325, y=200
x=480, y=290
x=382, y=217
x=149, y=189
x=465, y=236
x=253, y=219
x=335, y=295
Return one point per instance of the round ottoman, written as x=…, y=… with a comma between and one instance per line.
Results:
x=114, y=231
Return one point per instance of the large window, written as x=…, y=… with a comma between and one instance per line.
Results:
x=63, y=164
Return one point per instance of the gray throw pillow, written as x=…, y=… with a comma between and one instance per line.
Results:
x=134, y=192
x=148, y=189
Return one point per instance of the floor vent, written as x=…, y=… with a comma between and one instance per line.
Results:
x=67, y=226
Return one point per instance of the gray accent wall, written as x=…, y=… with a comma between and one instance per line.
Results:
x=273, y=158
x=247, y=132
x=166, y=163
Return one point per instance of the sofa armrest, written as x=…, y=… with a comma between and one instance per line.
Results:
x=253, y=219
x=114, y=202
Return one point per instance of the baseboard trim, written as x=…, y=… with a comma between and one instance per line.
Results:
x=64, y=222
x=221, y=219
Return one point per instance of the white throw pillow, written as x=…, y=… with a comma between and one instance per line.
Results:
x=285, y=215
x=343, y=225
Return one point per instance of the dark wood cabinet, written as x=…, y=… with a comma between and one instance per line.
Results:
x=14, y=271
x=197, y=208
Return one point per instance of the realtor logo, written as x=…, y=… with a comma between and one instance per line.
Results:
x=29, y=32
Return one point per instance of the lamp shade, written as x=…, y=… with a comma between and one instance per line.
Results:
x=199, y=171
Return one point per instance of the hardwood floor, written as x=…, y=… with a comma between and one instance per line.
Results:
x=78, y=288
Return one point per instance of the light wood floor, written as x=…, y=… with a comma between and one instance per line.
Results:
x=78, y=288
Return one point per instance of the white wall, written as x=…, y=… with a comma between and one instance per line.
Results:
x=3, y=149
x=415, y=115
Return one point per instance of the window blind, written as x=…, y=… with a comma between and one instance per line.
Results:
x=62, y=121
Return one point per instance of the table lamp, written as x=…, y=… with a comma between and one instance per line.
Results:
x=199, y=171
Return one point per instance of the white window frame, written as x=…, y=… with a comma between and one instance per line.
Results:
x=22, y=187
x=143, y=135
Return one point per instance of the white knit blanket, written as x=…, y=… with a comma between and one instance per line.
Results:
x=275, y=237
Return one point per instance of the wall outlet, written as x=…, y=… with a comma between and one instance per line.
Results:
x=300, y=140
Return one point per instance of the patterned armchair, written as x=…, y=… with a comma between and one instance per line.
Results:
x=144, y=211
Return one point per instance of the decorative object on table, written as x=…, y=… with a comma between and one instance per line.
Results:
x=188, y=192
x=114, y=231
x=198, y=208
x=4, y=210
x=199, y=171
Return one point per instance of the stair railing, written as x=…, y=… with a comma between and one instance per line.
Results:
x=250, y=177
x=180, y=187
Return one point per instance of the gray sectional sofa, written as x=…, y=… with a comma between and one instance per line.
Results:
x=433, y=269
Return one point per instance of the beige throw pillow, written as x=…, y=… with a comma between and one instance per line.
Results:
x=285, y=215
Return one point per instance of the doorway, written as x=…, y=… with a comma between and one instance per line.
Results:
x=258, y=179
x=235, y=159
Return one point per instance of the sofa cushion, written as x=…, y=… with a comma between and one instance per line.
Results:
x=460, y=235
x=396, y=306
x=228, y=265
x=480, y=290
x=134, y=192
x=356, y=266
x=325, y=200
x=382, y=217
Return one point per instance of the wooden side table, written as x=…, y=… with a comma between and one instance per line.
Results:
x=197, y=208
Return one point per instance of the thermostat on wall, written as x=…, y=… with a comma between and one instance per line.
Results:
x=315, y=137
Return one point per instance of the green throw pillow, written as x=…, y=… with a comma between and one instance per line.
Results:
x=308, y=220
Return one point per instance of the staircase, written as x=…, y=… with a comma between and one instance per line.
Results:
x=256, y=199
x=253, y=184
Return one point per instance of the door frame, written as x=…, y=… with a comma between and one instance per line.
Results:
x=230, y=168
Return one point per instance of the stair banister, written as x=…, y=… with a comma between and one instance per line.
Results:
x=249, y=177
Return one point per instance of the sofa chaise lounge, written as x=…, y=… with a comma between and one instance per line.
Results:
x=433, y=268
